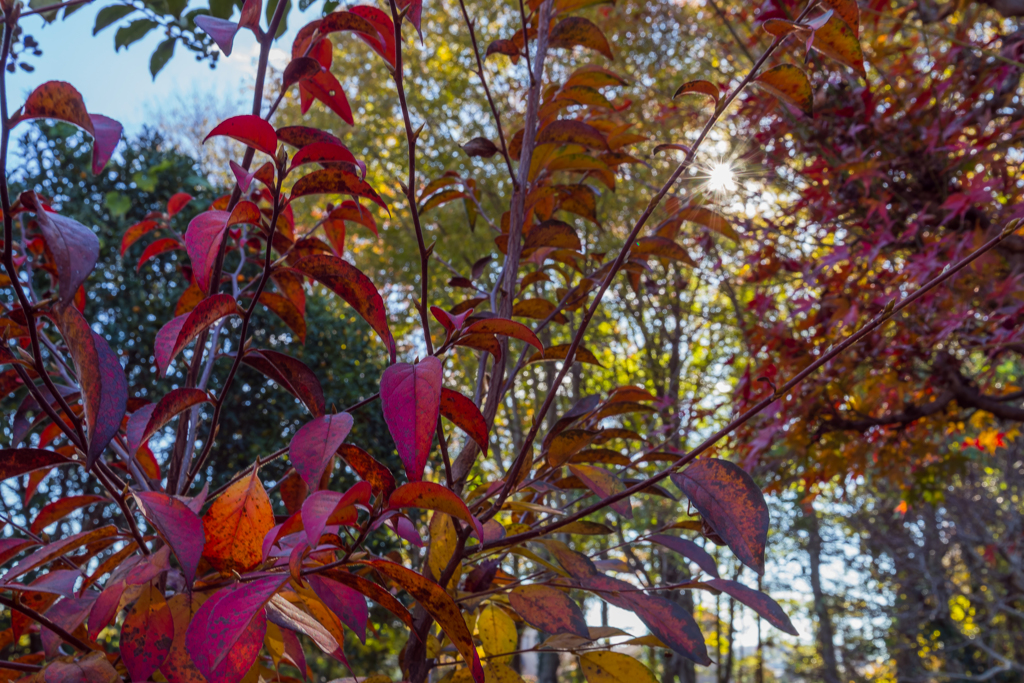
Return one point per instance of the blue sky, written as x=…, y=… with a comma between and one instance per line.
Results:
x=118, y=84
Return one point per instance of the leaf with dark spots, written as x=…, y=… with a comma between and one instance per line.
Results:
x=347, y=603
x=410, y=398
x=61, y=508
x=302, y=136
x=315, y=443
x=326, y=88
x=789, y=83
x=509, y=328
x=349, y=210
x=566, y=132
x=15, y=462
x=350, y=284
x=319, y=510
x=466, y=415
x=55, y=100
x=325, y=153
x=226, y=634
x=731, y=503
x=767, y=608
x=552, y=233
x=250, y=130
x=75, y=248
x=236, y=524
x=603, y=484
x=481, y=342
x=480, y=147
x=147, y=634
x=564, y=445
x=348, y=21
x=385, y=46
x=291, y=374
x=577, y=31
x=93, y=668
x=549, y=609
x=161, y=246
x=369, y=470
x=179, y=526
x=506, y=47
x=336, y=181
x=146, y=421
x=439, y=605
x=176, y=334
x=838, y=41
x=689, y=550
x=561, y=351
x=426, y=495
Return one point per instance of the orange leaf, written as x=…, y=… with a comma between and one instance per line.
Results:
x=789, y=83
x=573, y=31
x=235, y=526
x=147, y=633
x=698, y=88
x=426, y=495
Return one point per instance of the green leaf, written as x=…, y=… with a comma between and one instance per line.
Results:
x=163, y=52
x=176, y=7
x=144, y=181
x=271, y=7
x=134, y=31
x=47, y=16
x=222, y=9
x=108, y=15
x=117, y=204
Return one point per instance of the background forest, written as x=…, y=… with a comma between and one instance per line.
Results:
x=895, y=476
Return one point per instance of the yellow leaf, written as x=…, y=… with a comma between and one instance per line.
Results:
x=497, y=632
x=442, y=543
x=788, y=83
x=614, y=667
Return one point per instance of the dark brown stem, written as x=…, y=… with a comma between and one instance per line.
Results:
x=487, y=92
x=44, y=621
x=19, y=666
x=835, y=351
x=410, y=190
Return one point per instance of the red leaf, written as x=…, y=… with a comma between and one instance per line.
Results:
x=324, y=153
x=572, y=132
x=349, y=210
x=731, y=503
x=301, y=136
x=385, y=29
x=15, y=462
x=292, y=375
x=203, y=239
x=178, y=525
x=426, y=495
x=315, y=443
x=106, y=135
x=318, y=509
x=249, y=129
x=81, y=342
x=176, y=334
x=55, y=100
x=439, y=605
x=147, y=634
x=161, y=246
x=326, y=88
x=227, y=632
x=604, y=484
x=757, y=601
x=411, y=398
x=145, y=421
x=348, y=604
x=9, y=547
x=464, y=413
x=451, y=323
x=52, y=551
x=177, y=202
x=113, y=402
x=368, y=469
x=414, y=13
x=284, y=309
x=549, y=609
x=297, y=70
x=350, y=284
x=509, y=328
x=135, y=232
x=689, y=550
x=336, y=181
x=75, y=248
x=61, y=508
x=242, y=177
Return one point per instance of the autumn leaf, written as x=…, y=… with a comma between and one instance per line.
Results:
x=427, y=495
x=614, y=667
x=578, y=31
x=250, y=130
x=235, y=526
x=178, y=525
x=411, y=399
x=314, y=445
x=789, y=83
x=698, y=88
x=548, y=609
x=147, y=633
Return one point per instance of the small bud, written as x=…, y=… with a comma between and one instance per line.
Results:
x=888, y=307
x=282, y=157
x=405, y=188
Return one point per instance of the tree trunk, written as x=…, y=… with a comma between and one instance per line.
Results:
x=825, y=635
x=677, y=668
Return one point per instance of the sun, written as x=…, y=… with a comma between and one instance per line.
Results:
x=721, y=178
